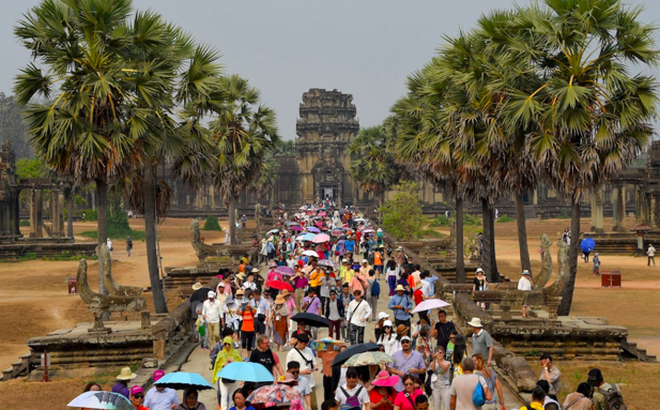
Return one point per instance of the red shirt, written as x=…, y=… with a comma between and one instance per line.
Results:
x=418, y=296
x=376, y=397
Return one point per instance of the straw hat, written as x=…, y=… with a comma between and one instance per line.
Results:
x=399, y=287
x=285, y=292
x=402, y=329
x=383, y=379
x=475, y=322
x=240, y=292
x=279, y=299
x=126, y=374
x=241, y=276
x=197, y=286
x=254, y=270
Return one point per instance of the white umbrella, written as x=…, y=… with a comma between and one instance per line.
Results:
x=430, y=304
x=311, y=253
x=101, y=400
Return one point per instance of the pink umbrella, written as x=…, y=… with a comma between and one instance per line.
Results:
x=312, y=229
x=296, y=228
x=285, y=270
x=430, y=304
x=320, y=238
x=321, y=213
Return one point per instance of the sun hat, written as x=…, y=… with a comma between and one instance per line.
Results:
x=273, y=264
x=387, y=323
x=384, y=379
x=126, y=374
x=285, y=292
x=344, y=261
x=158, y=374
x=479, y=270
x=406, y=338
x=210, y=294
x=254, y=270
x=475, y=322
x=197, y=286
x=279, y=299
x=399, y=287
x=365, y=262
x=241, y=276
x=383, y=315
x=526, y=272
x=402, y=329
x=136, y=389
x=240, y=292
x=288, y=378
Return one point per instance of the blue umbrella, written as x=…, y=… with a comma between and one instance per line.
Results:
x=101, y=400
x=247, y=372
x=587, y=245
x=181, y=380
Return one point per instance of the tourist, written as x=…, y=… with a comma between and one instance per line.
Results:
x=250, y=284
x=108, y=243
x=326, y=283
x=358, y=282
x=595, y=379
x=581, y=399
x=443, y=329
x=416, y=275
x=190, y=395
x=406, y=361
x=401, y=304
x=538, y=396
x=129, y=245
x=373, y=292
x=550, y=373
x=311, y=303
x=357, y=315
x=378, y=260
x=388, y=339
x=160, y=398
x=300, y=283
x=481, y=340
x=422, y=402
x=449, y=351
x=247, y=312
x=92, y=386
x=123, y=378
x=330, y=374
x=303, y=355
x=392, y=274
x=550, y=400
x=240, y=400
x=418, y=297
x=596, y=262
x=480, y=284
x=492, y=382
x=226, y=387
x=424, y=346
x=458, y=354
x=440, y=380
x=264, y=356
x=293, y=379
x=280, y=322
x=525, y=284
x=334, y=312
x=261, y=313
x=585, y=253
x=345, y=271
x=651, y=255
x=383, y=394
x=137, y=397
x=330, y=405
x=378, y=327
x=346, y=298
x=462, y=387
x=212, y=312
x=352, y=395
x=290, y=304
x=405, y=399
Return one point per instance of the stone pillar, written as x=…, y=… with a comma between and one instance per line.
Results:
x=597, y=211
x=55, y=210
x=618, y=193
x=535, y=201
x=36, y=214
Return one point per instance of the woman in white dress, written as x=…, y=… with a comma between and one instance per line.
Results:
x=388, y=339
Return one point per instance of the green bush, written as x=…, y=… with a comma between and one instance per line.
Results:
x=402, y=215
x=440, y=221
x=24, y=222
x=564, y=215
x=471, y=220
x=90, y=214
x=212, y=224
x=505, y=218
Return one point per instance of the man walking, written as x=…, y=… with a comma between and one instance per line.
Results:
x=550, y=373
x=651, y=254
x=212, y=314
x=525, y=284
x=334, y=310
x=401, y=306
x=406, y=361
x=481, y=340
x=443, y=329
x=463, y=387
x=357, y=316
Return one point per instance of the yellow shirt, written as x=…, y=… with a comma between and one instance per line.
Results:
x=346, y=274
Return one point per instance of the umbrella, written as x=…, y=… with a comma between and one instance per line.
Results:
x=311, y=253
x=274, y=394
x=430, y=304
x=277, y=284
x=181, y=380
x=101, y=400
x=272, y=231
x=296, y=228
x=587, y=245
x=323, y=343
x=368, y=358
x=285, y=271
x=312, y=229
x=368, y=231
x=247, y=372
x=359, y=220
x=328, y=262
x=353, y=350
x=311, y=319
x=199, y=295
x=291, y=223
x=343, y=237
x=307, y=236
x=320, y=238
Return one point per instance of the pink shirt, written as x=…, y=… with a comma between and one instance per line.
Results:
x=403, y=402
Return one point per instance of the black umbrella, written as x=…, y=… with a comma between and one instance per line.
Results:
x=311, y=319
x=353, y=350
x=199, y=295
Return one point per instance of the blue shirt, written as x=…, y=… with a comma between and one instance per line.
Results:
x=160, y=400
x=247, y=408
x=431, y=280
x=403, y=300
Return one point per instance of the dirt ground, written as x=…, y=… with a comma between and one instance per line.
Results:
x=34, y=302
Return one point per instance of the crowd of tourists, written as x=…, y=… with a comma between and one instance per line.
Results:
x=323, y=265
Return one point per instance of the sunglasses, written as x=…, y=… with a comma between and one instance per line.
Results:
x=405, y=341
x=227, y=344
x=138, y=396
x=353, y=376
x=295, y=372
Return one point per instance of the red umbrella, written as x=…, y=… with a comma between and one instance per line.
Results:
x=279, y=285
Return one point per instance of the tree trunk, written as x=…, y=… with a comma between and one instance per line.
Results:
x=495, y=272
x=149, y=192
x=233, y=239
x=460, y=261
x=522, y=233
x=485, y=257
x=567, y=296
x=102, y=225
x=69, y=214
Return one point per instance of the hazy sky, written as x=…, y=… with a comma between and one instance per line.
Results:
x=285, y=47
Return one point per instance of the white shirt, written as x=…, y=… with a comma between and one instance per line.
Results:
x=524, y=284
x=363, y=397
x=362, y=311
x=291, y=263
x=294, y=356
x=212, y=311
x=249, y=285
x=391, y=344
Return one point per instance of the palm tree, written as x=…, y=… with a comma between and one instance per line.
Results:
x=82, y=46
x=372, y=163
x=244, y=132
x=592, y=116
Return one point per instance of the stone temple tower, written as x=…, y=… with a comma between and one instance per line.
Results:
x=327, y=124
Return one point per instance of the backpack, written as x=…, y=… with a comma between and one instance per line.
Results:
x=351, y=401
x=478, y=398
x=613, y=400
x=375, y=288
